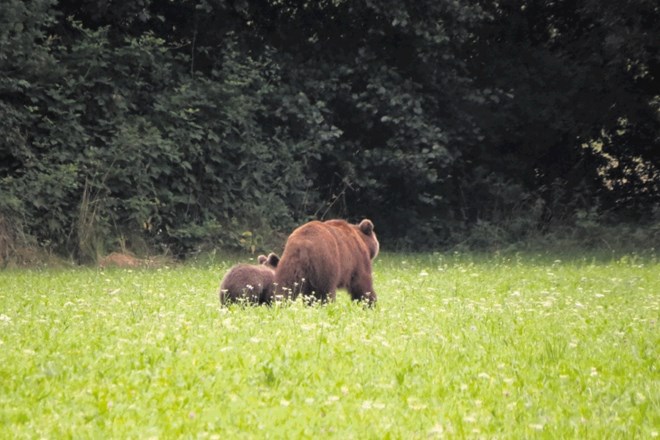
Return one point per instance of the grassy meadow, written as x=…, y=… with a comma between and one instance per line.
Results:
x=459, y=346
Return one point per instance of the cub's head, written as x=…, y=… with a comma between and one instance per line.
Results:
x=366, y=228
x=271, y=261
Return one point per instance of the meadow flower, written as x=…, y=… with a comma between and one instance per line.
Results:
x=437, y=430
x=415, y=404
x=228, y=324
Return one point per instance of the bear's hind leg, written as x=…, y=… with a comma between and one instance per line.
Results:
x=363, y=291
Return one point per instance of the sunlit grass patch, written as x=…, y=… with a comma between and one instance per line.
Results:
x=459, y=345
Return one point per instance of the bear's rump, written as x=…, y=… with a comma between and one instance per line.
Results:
x=241, y=276
x=317, y=267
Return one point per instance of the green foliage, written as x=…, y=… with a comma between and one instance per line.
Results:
x=181, y=125
x=460, y=345
x=126, y=135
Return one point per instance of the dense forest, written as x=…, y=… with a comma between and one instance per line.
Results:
x=180, y=125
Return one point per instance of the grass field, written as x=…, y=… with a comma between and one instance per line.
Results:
x=460, y=345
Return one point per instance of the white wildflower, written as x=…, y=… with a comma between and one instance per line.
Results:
x=437, y=430
x=415, y=404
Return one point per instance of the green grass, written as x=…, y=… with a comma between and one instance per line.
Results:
x=520, y=346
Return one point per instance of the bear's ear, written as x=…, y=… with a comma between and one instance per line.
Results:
x=273, y=259
x=262, y=259
x=366, y=226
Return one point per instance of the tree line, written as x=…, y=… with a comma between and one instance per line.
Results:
x=182, y=124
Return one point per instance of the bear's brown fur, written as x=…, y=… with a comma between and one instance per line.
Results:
x=249, y=283
x=320, y=257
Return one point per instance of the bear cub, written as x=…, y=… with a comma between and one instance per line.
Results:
x=321, y=257
x=250, y=283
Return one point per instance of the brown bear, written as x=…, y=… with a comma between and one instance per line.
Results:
x=320, y=257
x=249, y=283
